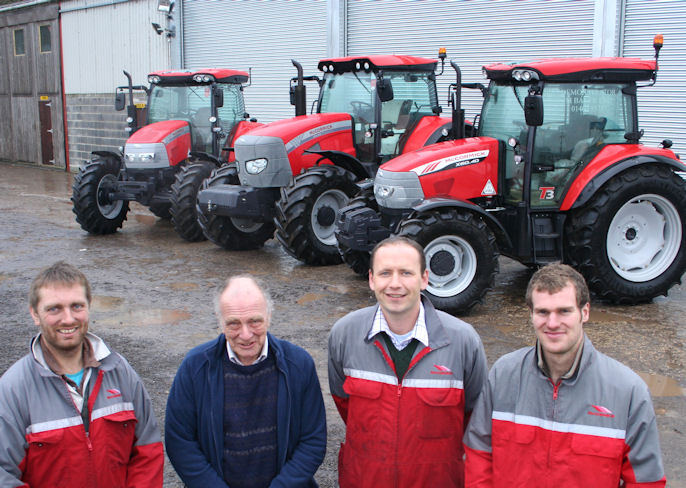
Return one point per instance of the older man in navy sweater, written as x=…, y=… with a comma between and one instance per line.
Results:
x=246, y=409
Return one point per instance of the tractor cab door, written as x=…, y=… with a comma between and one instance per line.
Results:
x=579, y=120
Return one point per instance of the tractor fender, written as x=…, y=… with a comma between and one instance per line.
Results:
x=204, y=156
x=605, y=175
x=343, y=160
x=502, y=237
x=109, y=154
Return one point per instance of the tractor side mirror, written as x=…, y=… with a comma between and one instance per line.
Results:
x=291, y=94
x=385, y=90
x=533, y=110
x=119, y=101
x=218, y=97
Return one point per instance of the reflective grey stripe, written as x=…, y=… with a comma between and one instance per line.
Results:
x=112, y=409
x=177, y=133
x=301, y=139
x=54, y=425
x=370, y=375
x=420, y=383
x=559, y=427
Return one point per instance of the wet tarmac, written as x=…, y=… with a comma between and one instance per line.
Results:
x=153, y=302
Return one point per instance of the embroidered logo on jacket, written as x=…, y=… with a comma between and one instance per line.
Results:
x=601, y=411
x=113, y=393
x=441, y=369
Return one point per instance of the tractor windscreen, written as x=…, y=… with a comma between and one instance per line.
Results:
x=192, y=103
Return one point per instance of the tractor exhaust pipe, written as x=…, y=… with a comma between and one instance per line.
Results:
x=456, y=101
x=298, y=92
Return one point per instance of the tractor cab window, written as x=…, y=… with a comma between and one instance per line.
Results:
x=414, y=96
x=579, y=120
x=352, y=93
x=502, y=117
x=233, y=110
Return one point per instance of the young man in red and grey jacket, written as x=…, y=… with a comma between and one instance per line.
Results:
x=561, y=413
x=73, y=413
x=404, y=377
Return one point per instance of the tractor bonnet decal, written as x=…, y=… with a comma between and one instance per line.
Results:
x=177, y=133
x=316, y=132
x=451, y=162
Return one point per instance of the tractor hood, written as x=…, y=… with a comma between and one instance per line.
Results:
x=158, y=145
x=270, y=155
x=462, y=169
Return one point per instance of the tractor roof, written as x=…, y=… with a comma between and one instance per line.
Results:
x=377, y=62
x=186, y=76
x=578, y=69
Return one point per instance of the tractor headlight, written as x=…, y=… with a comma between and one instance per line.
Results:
x=384, y=191
x=147, y=156
x=256, y=166
x=153, y=79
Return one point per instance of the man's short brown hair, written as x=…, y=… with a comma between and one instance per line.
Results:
x=554, y=277
x=399, y=240
x=60, y=273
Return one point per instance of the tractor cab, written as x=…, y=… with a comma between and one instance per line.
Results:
x=385, y=95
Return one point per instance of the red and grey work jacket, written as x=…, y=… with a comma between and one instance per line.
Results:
x=590, y=430
x=404, y=433
x=44, y=441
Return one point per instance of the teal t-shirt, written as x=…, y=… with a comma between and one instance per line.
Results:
x=76, y=377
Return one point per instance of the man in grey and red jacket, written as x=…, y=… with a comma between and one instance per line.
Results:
x=404, y=377
x=72, y=412
x=561, y=413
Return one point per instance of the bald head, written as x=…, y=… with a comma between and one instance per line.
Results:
x=241, y=287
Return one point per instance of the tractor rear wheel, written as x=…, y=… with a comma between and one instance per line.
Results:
x=95, y=211
x=628, y=241
x=358, y=260
x=306, y=213
x=184, y=193
x=461, y=256
x=234, y=234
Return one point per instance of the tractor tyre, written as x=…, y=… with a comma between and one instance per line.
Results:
x=461, y=256
x=358, y=260
x=628, y=240
x=94, y=210
x=234, y=234
x=160, y=210
x=306, y=213
x=184, y=193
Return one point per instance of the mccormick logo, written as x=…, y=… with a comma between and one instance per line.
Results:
x=451, y=162
x=441, y=369
x=600, y=411
x=113, y=393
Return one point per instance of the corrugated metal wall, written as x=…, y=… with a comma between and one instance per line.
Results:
x=101, y=41
x=264, y=36
x=662, y=108
x=475, y=33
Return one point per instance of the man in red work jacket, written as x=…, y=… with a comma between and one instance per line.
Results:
x=72, y=412
x=404, y=377
x=561, y=413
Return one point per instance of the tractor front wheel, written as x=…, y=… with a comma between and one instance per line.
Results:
x=461, y=256
x=184, y=193
x=95, y=211
x=306, y=213
x=358, y=260
x=628, y=241
x=160, y=210
x=234, y=234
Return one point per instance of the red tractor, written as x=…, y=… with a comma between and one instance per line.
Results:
x=555, y=173
x=191, y=116
x=293, y=175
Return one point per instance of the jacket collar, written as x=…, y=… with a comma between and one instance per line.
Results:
x=99, y=351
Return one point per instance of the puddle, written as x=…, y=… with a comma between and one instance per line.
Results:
x=605, y=316
x=141, y=317
x=662, y=386
x=183, y=286
x=309, y=297
x=104, y=304
x=145, y=219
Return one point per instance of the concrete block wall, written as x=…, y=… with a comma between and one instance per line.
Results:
x=93, y=125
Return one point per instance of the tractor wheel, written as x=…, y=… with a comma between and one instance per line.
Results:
x=94, y=210
x=232, y=233
x=461, y=256
x=306, y=213
x=184, y=193
x=628, y=241
x=160, y=210
x=358, y=260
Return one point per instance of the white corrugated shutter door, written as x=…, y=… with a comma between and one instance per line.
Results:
x=475, y=33
x=261, y=35
x=662, y=108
